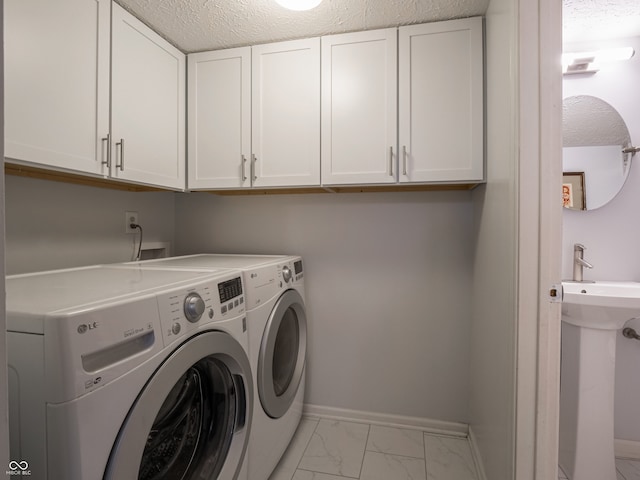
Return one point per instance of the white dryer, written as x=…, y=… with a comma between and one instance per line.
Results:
x=277, y=320
x=128, y=373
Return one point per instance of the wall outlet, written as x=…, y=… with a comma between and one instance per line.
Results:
x=130, y=217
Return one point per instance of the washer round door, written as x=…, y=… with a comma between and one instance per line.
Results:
x=282, y=354
x=192, y=418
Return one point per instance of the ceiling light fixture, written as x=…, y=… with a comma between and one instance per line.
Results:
x=589, y=62
x=299, y=5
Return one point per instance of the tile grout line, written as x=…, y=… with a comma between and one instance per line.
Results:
x=331, y=474
x=366, y=442
x=304, y=450
x=426, y=467
x=395, y=455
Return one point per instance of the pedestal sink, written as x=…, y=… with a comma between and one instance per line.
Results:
x=591, y=314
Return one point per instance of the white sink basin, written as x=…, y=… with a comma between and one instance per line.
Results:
x=592, y=314
x=600, y=305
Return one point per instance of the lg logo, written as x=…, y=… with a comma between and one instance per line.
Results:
x=85, y=327
x=18, y=468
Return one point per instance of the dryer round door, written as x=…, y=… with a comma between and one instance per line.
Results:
x=192, y=418
x=282, y=354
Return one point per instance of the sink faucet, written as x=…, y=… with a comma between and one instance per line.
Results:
x=579, y=262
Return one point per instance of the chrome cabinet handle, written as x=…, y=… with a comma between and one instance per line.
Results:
x=254, y=175
x=404, y=159
x=391, y=161
x=106, y=161
x=244, y=173
x=121, y=164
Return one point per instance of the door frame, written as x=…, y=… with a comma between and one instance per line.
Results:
x=539, y=26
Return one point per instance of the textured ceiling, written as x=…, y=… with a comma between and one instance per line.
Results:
x=600, y=19
x=198, y=25
x=588, y=120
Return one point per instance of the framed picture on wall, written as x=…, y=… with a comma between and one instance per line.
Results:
x=573, y=194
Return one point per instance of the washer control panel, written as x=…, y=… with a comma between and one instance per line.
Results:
x=184, y=310
x=193, y=307
x=286, y=274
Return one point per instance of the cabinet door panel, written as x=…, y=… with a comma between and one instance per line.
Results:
x=57, y=82
x=286, y=113
x=219, y=118
x=441, y=102
x=148, y=104
x=359, y=107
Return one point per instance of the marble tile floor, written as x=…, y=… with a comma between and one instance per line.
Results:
x=339, y=450
x=625, y=470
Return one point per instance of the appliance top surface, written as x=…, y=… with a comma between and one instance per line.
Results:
x=47, y=292
x=217, y=261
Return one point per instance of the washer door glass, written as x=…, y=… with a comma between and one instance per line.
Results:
x=192, y=433
x=192, y=418
x=282, y=354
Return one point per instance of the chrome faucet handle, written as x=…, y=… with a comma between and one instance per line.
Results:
x=579, y=262
x=583, y=262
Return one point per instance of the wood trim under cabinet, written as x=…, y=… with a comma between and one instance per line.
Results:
x=350, y=189
x=58, y=176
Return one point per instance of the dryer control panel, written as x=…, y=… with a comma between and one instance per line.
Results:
x=291, y=271
x=266, y=282
x=297, y=270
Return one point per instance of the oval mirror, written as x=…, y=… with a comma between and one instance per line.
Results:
x=594, y=165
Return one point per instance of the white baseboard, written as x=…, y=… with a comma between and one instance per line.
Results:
x=477, y=458
x=627, y=449
x=428, y=425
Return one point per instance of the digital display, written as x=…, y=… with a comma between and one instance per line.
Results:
x=230, y=289
x=297, y=266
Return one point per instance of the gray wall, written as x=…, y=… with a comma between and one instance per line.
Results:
x=612, y=232
x=388, y=288
x=493, y=322
x=53, y=225
x=388, y=274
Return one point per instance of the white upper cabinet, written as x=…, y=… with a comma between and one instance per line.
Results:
x=57, y=83
x=147, y=105
x=286, y=114
x=91, y=89
x=219, y=114
x=359, y=107
x=441, y=102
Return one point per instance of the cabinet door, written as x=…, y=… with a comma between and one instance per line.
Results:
x=441, y=102
x=219, y=118
x=147, y=105
x=359, y=107
x=57, y=82
x=286, y=113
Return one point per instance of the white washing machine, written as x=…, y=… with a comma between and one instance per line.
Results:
x=129, y=373
x=277, y=321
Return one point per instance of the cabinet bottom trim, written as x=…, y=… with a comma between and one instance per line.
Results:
x=78, y=179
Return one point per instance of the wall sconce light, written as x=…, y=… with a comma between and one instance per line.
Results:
x=590, y=62
x=299, y=5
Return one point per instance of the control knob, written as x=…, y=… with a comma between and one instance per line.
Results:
x=193, y=307
x=286, y=274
